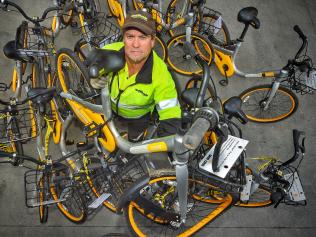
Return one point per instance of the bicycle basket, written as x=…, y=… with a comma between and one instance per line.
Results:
x=304, y=82
x=50, y=187
x=34, y=41
x=17, y=124
x=100, y=30
x=210, y=26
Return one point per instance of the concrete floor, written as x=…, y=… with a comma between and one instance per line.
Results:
x=269, y=47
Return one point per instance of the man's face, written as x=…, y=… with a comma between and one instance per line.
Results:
x=137, y=45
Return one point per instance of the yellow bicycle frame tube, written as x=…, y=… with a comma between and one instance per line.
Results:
x=86, y=116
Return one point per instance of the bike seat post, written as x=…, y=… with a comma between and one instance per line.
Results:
x=243, y=34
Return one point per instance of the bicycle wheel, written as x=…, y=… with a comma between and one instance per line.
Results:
x=63, y=189
x=16, y=146
x=72, y=74
x=40, y=74
x=213, y=28
x=155, y=210
x=282, y=106
x=177, y=9
x=43, y=196
x=66, y=16
x=183, y=63
x=98, y=181
x=160, y=48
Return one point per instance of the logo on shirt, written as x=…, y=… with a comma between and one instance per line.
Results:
x=141, y=92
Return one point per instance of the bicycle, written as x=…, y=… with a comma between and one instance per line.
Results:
x=277, y=101
x=262, y=103
x=114, y=62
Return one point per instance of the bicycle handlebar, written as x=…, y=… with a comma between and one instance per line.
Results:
x=188, y=48
x=35, y=20
x=298, y=30
x=297, y=147
x=14, y=157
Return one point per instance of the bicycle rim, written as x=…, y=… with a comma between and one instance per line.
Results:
x=72, y=206
x=177, y=9
x=282, y=106
x=184, y=63
x=160, y=48
x=146, y=222
x=72, y=75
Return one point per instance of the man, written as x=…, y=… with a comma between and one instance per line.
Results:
x=144, y=84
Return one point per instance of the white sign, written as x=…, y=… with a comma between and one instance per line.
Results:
x=230, y=151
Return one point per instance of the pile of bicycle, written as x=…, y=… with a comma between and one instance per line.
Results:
x=159, y=194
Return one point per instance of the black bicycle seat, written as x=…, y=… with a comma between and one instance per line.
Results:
x=10, y=52
x=109, y=60
x=232, y=107
x=248, y=16
x=188, y=96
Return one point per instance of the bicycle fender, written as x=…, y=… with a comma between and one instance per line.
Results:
x=131, y=193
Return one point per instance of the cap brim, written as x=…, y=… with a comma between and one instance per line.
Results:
x=143, y=28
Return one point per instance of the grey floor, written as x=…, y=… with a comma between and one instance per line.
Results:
x=269, y=47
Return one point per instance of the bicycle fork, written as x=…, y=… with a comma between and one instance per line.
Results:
x=274, y=89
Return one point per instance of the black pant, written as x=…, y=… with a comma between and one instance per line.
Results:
x=135, y=127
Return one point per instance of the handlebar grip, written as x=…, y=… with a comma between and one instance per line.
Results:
x=193, y=137
x=298, y=30
x=296, y=137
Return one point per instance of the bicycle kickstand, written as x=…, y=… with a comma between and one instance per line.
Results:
x=224, y=82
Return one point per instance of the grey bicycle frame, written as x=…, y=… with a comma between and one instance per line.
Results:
x=174, y=144
x=279, y=74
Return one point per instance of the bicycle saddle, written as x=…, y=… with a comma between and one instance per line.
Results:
x=41, y=95
x=188, y=96
x=232, y=107
x=109, y=60
x=10, y=52
x=248, y=16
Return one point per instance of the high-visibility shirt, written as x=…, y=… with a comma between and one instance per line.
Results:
x=136, y=95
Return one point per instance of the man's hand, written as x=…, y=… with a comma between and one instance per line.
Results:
x=98, y=83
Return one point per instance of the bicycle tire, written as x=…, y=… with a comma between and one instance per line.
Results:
x=39, y=74
x=66, y=16
x=184, y=64
x=254, y=98
x=175, y=11
x=71, y=208
x=72, y=74
x=204, y=27
x=43, y=196
x=95, y=178
x=146, y=222
x=160, y=48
